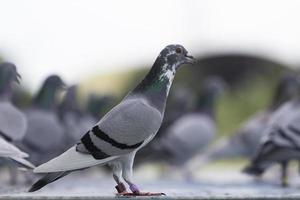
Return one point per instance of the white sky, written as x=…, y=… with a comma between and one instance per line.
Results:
x=77, y=38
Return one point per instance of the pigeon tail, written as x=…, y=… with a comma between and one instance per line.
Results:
x=48, y=178
x=70, y=160
x=23, y=162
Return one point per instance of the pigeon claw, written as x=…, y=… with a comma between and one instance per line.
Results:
x=121, y=188
x=134, y=189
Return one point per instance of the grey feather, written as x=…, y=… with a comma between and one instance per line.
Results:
x=134, y=115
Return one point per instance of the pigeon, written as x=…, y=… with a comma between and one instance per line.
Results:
x=74, y=120
x=126, y=128
x=193, y=132
x=44, y=138
x=280, y=143
x=13, y=123
x=245, y=141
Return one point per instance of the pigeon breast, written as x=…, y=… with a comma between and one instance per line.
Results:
x=44, y=130
x=13, y=123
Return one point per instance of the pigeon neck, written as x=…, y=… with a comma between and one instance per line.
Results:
x=157, y=83
x=206, y=103
x=46, y=98
x=5, y=91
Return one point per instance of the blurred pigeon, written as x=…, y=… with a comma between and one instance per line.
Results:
x=13, y=123
x=129, y=126
x=8, y=150
x=245, y=141
x=45, y=135
x=74, y=121
x=192, y=133
x=281, y=142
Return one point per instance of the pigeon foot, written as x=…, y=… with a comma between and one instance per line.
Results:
x=121, y=188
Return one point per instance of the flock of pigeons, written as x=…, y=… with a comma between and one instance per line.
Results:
x=59, y=138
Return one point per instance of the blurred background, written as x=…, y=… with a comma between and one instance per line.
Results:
x=106, y=48
x=96, y=43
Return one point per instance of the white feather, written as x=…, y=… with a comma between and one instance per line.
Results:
x=10, y=151
x=70, y=160
x=23, y=162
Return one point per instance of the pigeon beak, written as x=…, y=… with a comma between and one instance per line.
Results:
x=63, y=86
x=190, y=59
x=18, y=78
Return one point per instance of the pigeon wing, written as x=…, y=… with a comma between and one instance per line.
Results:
x=124, y=129
x=284, y=128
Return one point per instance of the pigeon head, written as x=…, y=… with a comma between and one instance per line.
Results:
x=175, y=55
x=212, y=88
x=54, y=81
x=47, y=97
x=165, y=66
x=8, y=75
x=157, y=83
x=288, y=88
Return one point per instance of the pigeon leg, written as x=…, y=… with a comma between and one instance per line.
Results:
x=117, y=172
x=284, y=177
x=13, y=175
x=127, y=165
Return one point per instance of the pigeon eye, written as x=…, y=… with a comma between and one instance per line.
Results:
x=178, y=50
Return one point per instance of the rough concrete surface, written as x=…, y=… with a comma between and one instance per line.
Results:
x=209, y=184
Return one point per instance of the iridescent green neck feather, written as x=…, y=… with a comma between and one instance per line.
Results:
x=156, y=84
x=46, y=97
